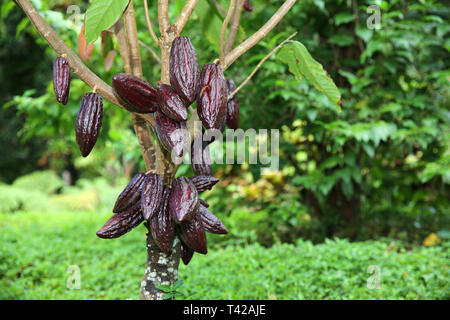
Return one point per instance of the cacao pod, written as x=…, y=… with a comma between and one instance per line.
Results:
x=203, y=182
x=186, y=254
x=247, y=6
x=139, y=96
x=161, y=225
x=152, y=191
x=131, y=194
x=193, y=235
x=61, y=80
x=201, y=160
x=172, y=134
x=183, y=200
x=210, y=222
x=89, y=122
x=122, y=222
x=232, y=117
x=171, y=104
x=183, y=68
x=211, y=97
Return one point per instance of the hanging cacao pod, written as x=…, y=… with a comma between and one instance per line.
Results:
x=139, y=96
x=247, y=6
x=61, y=80
x=203, y=182
x=161, y=225
x=232, y=117
x=183, y=200
x=131, y=194
x=201, y=160
x=193, y=235
x=210, y=222
x=172, y=134
x=122, y=222
x=186, y=254
x=171, y=104
x=211, y=97
x=152, y=191
x=89, y=122
x=183, y=68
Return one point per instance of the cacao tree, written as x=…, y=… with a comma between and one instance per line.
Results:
x=162, y=110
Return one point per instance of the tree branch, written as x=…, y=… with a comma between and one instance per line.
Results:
x=133, y=42
x=259, y=65
x=163, y=17
x=234, y=26
x=153, y=53
x=184, y=15
x=257, y=36
x=223, y=31
x=122, y=42
x=60, y=47
x=149, y=23
x=219, y=7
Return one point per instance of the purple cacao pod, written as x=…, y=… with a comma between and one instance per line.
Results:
x=61, y=80
x=183, y=200
x=122, y=222
x=247, y=6
x=152, y=192
x=186, y=254
x=201, y=160
x=161, y=225
x=171, y=104
x=203, y=182
x=172, y=134
x=183, y=68
x=232, y=117
x=193, y=235
x=139, y=96
x=89, y=122
x=210, y=222
x=211, y=97
x=131, y=194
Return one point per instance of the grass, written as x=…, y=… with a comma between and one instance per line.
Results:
x=38, y=249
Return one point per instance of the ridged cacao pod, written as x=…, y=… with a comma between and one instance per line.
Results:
x=247, y=6
x=171, y=133
x=122, y=222
x=61, y=80
x=171, y=104
x=203, y=182
x=89, y=122
x=232, y=117
x=131, y=194
x=201, y=160
x=203, y=203
x=152, y=192
x=186, y=254
x=193, y=235
x=161, y=225
x=183, y=200
x=210, y=222
x=211, y=97
x=183, y=68
x=139, y=96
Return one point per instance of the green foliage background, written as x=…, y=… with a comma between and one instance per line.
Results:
x=379, y=168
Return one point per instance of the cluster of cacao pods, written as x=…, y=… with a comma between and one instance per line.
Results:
x=90, y=115
x=168, y=211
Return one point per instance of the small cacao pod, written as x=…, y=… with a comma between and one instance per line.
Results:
x=152, y=191
x=183, y=200
x=232, y=117
x=183, y=68
x=211, y=97
x=139, y=96
x=203, y=182
x=172, y=134
x=193, y=235
x=61, y=80
x=161, y=225
x=201, y=160
x=186, y=254
x=247, y=6
x=89, y=122
x=131, y=194
x=210, y=222
x=122, y=222
x=171, y=104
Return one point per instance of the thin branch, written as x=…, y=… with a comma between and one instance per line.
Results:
x=163, y=17
x=184, y=15
x=149, y=23
x=260, y=64
x=234, y=26
x=224, y=28
x=219, y=7
x=76, y=65
x=133, y=42
x=122, y=42
x=257, y=36
x=153, y=53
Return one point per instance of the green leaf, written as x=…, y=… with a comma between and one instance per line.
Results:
x=302, y=64
x=210, y=22
x=343, y=17
x=101, y=15
x=342, y=39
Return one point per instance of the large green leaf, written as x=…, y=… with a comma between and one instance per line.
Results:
x=302, y=64
x=101, y=15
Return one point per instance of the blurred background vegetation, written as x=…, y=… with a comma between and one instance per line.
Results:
x=379, y=170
